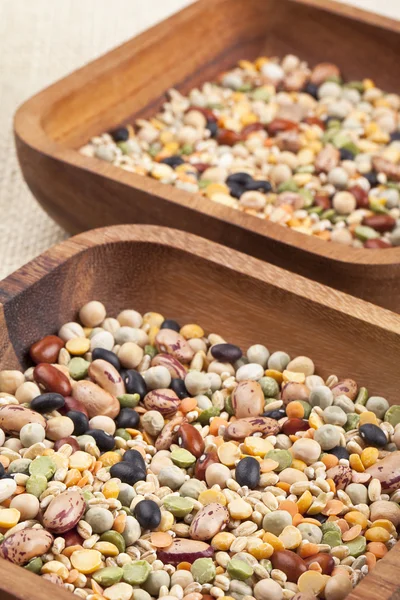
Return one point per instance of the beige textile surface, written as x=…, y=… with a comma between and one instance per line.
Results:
x=40, y=42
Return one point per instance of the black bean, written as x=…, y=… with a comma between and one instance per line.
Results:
x=248, y=472
x=173, y=161
x=346, y=154
x=127, y=472
x=148, y=513
x=312, y=89
x=260, y=185
x=240, y=177
x=104, y=441
x=120, y=135
x=179, y=387
x=339, y=452
x=373, y=435
x=275, y=414
x=80, y=421
x=127, y=418
x=226, y=352
x=212, y=127
x=372, y=178
x=107, y=355
x=236, y=189
x=134, y=383
x=2, y=471
x=170, y=324
x=320, y=517
x=134, y=457
x=395, y=136
x=47, y=402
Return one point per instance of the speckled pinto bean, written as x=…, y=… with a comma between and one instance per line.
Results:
x=245, y=427
x=13, y=417
x=163, y=400
x=20, y=547
x=209, y=521
x=171, y=342
x=107, y=377
x=187, y=467
x=96, y=400
x=247, y=399
x=175, y=368
x=169, y=433
x=64, y=512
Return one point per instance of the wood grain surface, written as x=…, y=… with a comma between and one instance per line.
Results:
x=81, y=192
x=195, y=280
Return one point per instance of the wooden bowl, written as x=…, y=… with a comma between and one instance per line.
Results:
x=195, y=280
x=191, y=47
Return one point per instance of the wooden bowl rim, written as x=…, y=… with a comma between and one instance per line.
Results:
x=29, y=128
x=193, y=245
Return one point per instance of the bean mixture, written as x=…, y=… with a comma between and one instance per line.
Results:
x=142, y=459
x=281, y=141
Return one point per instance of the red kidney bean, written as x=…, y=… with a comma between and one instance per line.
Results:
x=380, y=223
x=67, y=440
x=376, y=243
x=252, y=128
x=278, y=125
x=203, y=463
x=190, y=438
x=291, y=426
x=290, y=563
x=52, y=379
x=360, y=195
x=72, y=403
x=227, y=137
x=324, y=560
x=47, y=349
x=314, y=121
x=72, y=538
x=201, y=167
x=323, y=201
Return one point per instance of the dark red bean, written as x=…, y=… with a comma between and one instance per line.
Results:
x=381, y=223
x=376, y=243
x=47, y=349
x=360, y=195
x=68, y=440
x=324, y=560
x=248, y=129
x=227, y=137
x=190, y=438
x=278, y=125
x=203, y=463
x=323, y=201
x=73, y=404
x=291, y=426
x=52, y=379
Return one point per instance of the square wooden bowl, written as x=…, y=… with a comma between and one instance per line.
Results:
x=191, y=47
x=195, y=280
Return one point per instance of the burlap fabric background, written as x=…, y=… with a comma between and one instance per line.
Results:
x=41, y=41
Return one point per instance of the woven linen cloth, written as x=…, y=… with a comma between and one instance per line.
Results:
x=40, y=42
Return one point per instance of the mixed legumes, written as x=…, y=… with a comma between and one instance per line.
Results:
x=284, y=142
x=143, y=459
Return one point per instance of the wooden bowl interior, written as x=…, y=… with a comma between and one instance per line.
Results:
x=260, y=307
x=233, y=29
